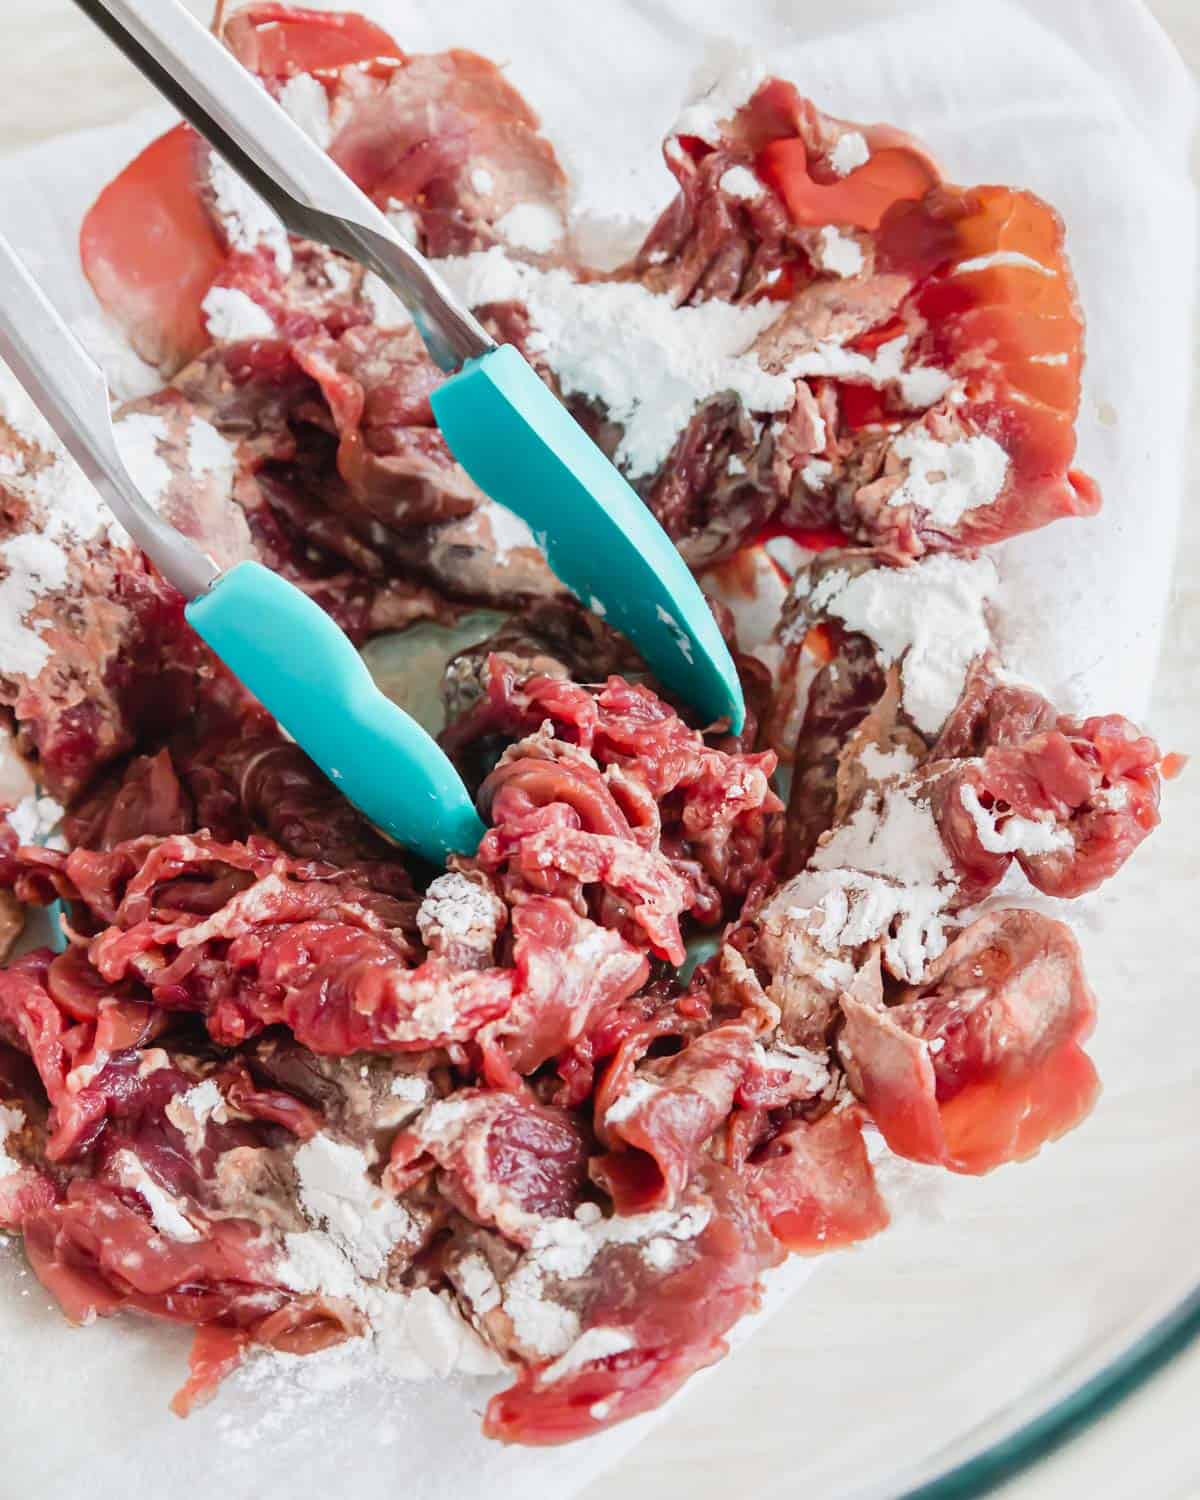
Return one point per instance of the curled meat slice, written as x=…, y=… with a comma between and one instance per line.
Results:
x=23, y=1192
x=803, y=978
x=814, y=1185
x=721, y=829
x=751, y=191
x=571, y=975
x=994, y=276
x=549, y=638
x=545, y=852
x=444, y=138
x=645, y=1302
x=32, y=1022
x=391, y=457
x=97, y=1255
x=659, y=1121
x=1070, y=804
x=447, y=138
x=713, y=494
x=991, y=711
x=502, y=1161
x=145, y=797
x=992, y=317
x=302, y=1325
x=900, y=295
x=121, y=666
x=342, y=990
x=607, y=1389
x=444, y=135
x=830, y=171
x=982, y=1062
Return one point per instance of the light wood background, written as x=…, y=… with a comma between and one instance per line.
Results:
x=56, y=76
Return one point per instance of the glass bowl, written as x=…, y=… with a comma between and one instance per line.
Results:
x=999, y=1315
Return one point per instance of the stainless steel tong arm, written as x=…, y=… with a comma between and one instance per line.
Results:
x=71, y=392
x=257, y=138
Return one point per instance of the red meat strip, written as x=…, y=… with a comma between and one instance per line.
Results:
x=815, y=1186
x=982, y=1062
x=663, y=1115
x=721, y=828
x=975, y=279
x=572, y=975
x=251, y=939
x=414, y=130
x=1092, y=785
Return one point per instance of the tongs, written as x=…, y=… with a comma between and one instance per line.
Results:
x=501, y=422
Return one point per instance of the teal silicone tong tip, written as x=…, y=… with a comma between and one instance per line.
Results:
x=301, y=666
x=523, y=448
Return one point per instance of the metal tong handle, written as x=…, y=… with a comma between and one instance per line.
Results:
x=69, y=388
x=268, y=150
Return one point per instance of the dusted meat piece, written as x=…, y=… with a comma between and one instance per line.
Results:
x=120, y=665
x=391, y=457
x=1070, y=803
x=560, y=830
x=658, y=1120
x=572, y=975
x=712, y=495
x=98, y=1254
x=503, y=1162
x=241, y=776
x=720, y=238
x=461, y=919
x=409, y=130
x=991, y=711
x=150, y=1227
x=843, y=689
x=448, y=138
x=981, y=1063
x=647, y=1302
x=539, y=1412
x=802, y=980
x=31, y=1021
x=890, y=284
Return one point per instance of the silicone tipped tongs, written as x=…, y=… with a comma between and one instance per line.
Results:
x=281, y=644
x=499, y=419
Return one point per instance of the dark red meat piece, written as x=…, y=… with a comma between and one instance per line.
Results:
x=502, y=1161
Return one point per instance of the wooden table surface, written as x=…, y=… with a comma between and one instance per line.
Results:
x=55, y=77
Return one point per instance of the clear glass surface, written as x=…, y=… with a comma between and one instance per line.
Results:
x=995, y=1319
